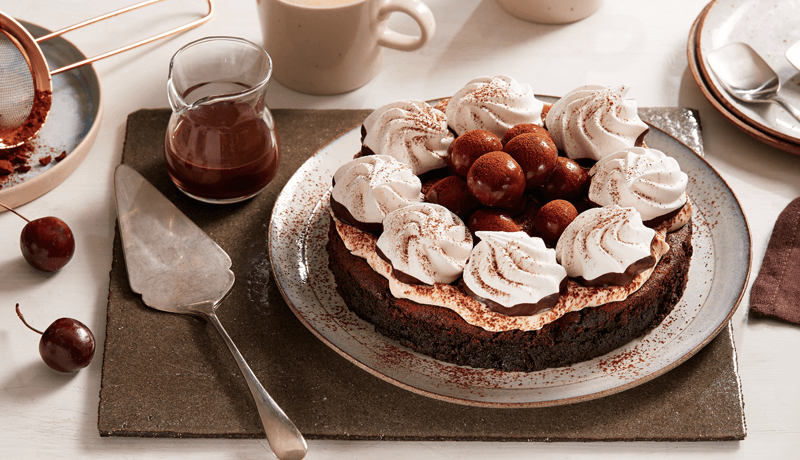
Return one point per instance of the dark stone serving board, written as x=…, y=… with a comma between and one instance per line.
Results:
x=171, y=376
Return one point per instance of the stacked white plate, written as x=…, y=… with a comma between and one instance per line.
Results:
x=770, y=28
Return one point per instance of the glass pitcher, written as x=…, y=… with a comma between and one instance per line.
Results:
x=221, y=144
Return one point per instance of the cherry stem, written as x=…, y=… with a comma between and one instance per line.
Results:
x=19, y=313
x=15, y=212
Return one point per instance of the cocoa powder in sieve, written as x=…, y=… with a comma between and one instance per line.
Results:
x=41, y=107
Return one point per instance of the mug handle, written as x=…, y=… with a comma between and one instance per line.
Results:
x=418, y=11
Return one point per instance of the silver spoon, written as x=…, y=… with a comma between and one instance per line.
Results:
x=747, y=77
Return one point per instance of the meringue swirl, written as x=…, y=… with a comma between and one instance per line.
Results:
x=426, y=242
x=642, y=178
x=412, y=132
x=594, y=121
x=514, y=270
x=603, y=241
x=495, y=104
x=371, y=187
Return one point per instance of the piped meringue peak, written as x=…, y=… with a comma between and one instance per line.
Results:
x=645, y=179
x=410, y=131
x=371, y=187
x=425, y=243
x=495, y=104
x=608, y=245
x=594, y=121
x=515, y=271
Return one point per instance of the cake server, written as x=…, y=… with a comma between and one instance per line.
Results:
x=177, y=268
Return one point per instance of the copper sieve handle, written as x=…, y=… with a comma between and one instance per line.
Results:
x=182, y=28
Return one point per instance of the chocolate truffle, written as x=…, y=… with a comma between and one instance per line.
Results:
x=521, y=128
x=536, y=153
x=496, y=180
x=469, y=147
x=568, y=181
x=452, y=193
x=491, y=220
x=552, y=219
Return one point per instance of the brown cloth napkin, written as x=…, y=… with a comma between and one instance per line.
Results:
x=776, y=291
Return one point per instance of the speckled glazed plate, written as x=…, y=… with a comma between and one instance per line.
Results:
x=712, y=95
x=770, y=28
x=298, y=234
x=71, y=127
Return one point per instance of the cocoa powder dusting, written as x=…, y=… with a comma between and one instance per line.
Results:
x=20, y=159
x=39, y=111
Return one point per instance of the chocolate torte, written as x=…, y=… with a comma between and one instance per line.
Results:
x=551, y=250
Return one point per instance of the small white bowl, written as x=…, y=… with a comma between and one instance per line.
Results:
x=550, y=11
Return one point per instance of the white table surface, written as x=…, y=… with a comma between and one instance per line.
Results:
x=44, y=414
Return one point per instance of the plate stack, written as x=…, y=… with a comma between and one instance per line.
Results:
x=770, y=28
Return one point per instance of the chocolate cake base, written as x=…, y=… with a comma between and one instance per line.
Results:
x=575, y=337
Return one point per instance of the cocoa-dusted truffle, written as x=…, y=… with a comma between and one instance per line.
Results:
x=568, y=181
x=545, y=109
x=517, y=208
x=469, y=147
x=536, y=153
x=516, y=130
x=491, y=220
x=496, y=180
x=552, y=219
x=526, y=217
x=452, y=193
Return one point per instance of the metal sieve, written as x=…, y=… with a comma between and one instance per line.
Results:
x=25, y=79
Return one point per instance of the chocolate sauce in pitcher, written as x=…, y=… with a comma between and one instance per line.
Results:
x=222, y=151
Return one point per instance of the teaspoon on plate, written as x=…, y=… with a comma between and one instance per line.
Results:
x=747, y=77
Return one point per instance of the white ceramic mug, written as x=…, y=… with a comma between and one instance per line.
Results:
x=334, y=46
x=550, y=11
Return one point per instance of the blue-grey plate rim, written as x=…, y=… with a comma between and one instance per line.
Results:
x=71, y=126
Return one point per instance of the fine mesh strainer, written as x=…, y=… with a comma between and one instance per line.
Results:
x=25, y=85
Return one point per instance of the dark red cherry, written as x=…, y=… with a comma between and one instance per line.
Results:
x=47, y=243
x=67, y=345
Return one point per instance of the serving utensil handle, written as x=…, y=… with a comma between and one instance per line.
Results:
x=788, y=106
x=284, y=438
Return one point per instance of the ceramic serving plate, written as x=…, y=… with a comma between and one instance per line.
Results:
x=770, y=28
x=298, y=235
x=71, y=127
x=711, y=95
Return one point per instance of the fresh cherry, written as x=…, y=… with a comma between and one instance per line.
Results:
x=67, y=345
x=46, y=243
